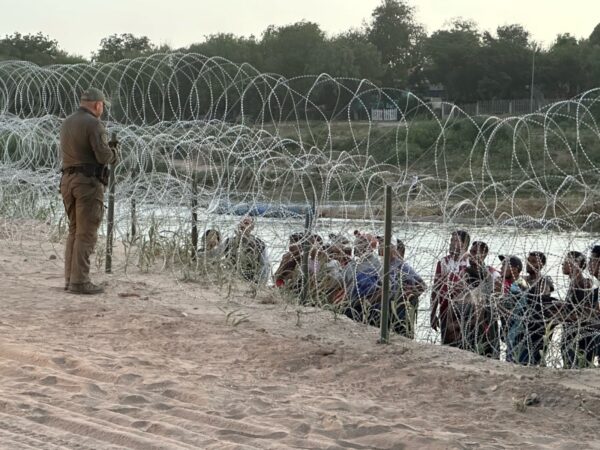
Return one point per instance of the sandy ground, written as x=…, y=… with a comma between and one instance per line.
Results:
x=154, y=363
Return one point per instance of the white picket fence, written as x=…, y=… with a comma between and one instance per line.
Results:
x=506, y=107
x=384, y=115
x=514, y=107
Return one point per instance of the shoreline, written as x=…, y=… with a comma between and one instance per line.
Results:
x=157, y=362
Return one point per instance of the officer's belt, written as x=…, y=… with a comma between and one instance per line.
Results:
x=89, y=170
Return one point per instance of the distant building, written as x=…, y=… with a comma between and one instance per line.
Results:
x=435, y=96
x=386, y=110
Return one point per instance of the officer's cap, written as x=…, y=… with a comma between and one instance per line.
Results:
x=94, y=95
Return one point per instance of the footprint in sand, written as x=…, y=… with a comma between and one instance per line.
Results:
x=159, y=385
x=161, y=406
x=235, y=415
x=260, y=404
x=335, y=405
x=302, y=429
x=209, y=378
x=332, y=423
x=274, y=435
x=183, y=396
x=133, y=399
x=352, y=431
x=123, y=409
x=134, y=361
x=33, y=394
x=49, y=381
x=64, y=362
x=129, y=378
x=39, y=415
x=373, y=411
x=141, y=424
x=95, y=391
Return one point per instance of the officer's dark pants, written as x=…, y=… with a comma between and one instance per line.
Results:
x=83, y=198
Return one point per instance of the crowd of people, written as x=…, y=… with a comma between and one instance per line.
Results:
x=476, y=306
x=512, y=311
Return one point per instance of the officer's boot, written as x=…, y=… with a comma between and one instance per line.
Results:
x=87, y=288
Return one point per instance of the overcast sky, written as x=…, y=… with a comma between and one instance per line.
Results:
x=79, y=25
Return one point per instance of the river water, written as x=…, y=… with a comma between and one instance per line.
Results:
x=425, y=244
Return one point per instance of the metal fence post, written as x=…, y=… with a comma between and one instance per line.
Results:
x=133, y=219
x=194, y=205
x=306, y=247
x=385, y=294
x=110, y=217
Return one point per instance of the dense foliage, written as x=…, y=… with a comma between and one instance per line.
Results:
x=391, y=50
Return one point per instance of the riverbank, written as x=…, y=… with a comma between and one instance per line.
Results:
x=160, y=363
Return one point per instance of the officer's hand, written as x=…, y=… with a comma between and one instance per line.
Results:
x=113, y=143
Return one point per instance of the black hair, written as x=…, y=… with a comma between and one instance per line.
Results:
x=541, y=256
x=481, y=246
x=578, y=257
x=296, y=237
x=464, y=236
x=596, y=251
x=513, y=261
x=210, y=230
x=400, y=245
x=317, y=238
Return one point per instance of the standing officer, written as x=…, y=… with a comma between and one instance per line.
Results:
x=85, y=153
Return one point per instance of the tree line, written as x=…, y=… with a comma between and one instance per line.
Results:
x=392, y=49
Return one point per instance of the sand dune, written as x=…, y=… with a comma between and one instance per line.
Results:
x=153, y=364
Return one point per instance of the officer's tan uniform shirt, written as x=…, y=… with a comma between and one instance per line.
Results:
x=83, y=141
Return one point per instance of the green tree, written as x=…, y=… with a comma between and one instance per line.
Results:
x=506, y=63
x=290, y=50
x=37, y=48
x=365, y=56
x=595, y=36
x=592, y=51
x=337, y=59
x=231, y=47
x=593, y=66
x=563, y=69
x=453, y=59
x=399, y=39
x=513, y=34
x=124, y=46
